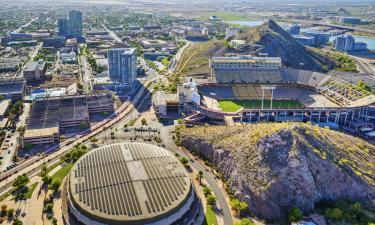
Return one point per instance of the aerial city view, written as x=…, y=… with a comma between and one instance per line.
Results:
x=187, y=112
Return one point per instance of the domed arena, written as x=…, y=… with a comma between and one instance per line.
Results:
x=130, y=183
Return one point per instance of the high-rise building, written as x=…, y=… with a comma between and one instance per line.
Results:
x=75, y=23
x=63, y=26
x=122, y=65
x=72, y=26
x=344, y=43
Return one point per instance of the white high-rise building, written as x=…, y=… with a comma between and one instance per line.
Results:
x=122, y=65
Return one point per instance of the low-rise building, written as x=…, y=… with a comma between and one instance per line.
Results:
x=157, y=44
x=35, y=71
x=12, y=89
x=231, y=32
x=153, y=56
x=49, y=116
x=69, y=58
x=320, y=37
x=4, y=106
x=350, y=20
x=304, y=40
x=238, y=44
x=164, y=103
x=56, y=42
x=294, y=29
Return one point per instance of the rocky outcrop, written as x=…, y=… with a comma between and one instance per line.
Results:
x=276, y=42
x=291, y=166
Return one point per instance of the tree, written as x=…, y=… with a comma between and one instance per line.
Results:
x=94, y=140
x=3, y=210
x=184, y=161
x=54, y=221
x=206, y=191
x=21, y=181
x=238, y=206
x=200, y=176
x=47, y=179
x=48, y=208
x=362, y=85
x=144, y=122
x=295, y=215
x=28, y=146
x=21, y=130
x=243, y=207
x=43, y=170
x=17, y=108
x=10, y=213
x=55, y=185
x=17, y=222
x=244, y=221
x=83, y=125
x=211, y=200
x=335, y=213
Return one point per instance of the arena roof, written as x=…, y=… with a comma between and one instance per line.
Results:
x=134, y=183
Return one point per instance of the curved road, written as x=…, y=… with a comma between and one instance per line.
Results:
x=165, y=135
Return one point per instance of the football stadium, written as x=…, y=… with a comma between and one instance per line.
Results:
x=252, y=89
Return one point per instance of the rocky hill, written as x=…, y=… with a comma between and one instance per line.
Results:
x=268, y=38
x=276, y=42
x=195, y=59
x=275, y=167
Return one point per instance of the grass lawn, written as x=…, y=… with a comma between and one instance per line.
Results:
x=223, y=16
x=61, y=173
x=210, y=216
x=234, y=105
x=30, y=190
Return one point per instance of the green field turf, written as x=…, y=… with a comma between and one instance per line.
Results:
x=234, y=105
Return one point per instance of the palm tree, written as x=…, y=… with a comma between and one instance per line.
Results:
x=200, y=176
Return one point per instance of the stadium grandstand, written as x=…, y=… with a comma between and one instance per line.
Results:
x=272, y=93
x=48, y=116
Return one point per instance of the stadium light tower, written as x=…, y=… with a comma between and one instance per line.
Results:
x=267, y=88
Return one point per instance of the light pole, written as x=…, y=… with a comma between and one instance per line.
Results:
x=268, y=88
x=262, y=97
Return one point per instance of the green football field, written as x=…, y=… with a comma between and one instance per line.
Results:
x=234, y=105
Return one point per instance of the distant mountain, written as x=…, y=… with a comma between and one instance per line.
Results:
x=276, y=42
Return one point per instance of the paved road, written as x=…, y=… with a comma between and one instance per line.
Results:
x=13, y=140
x=165, y=135
x=337, y=26
x=364, y=66
x=86, y=76
x=113, y=34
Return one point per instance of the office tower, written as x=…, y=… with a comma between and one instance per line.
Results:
x=75, y=23
x=122, y=65
x=63, y=26
x=344, y=43
x=71, y=27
